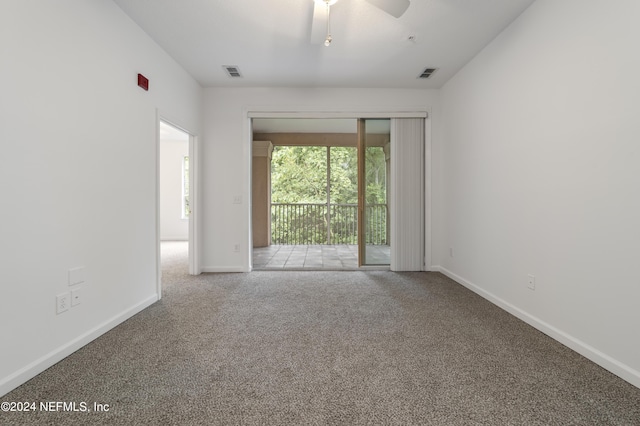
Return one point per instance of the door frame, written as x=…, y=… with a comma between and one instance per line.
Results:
x=250, y=113
x=360, y=153
x=194, y=201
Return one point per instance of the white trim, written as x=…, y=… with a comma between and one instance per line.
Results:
x=157, y=177
x=194, y=199
x=247, y=156
x=257, y=112
x=38, y=366
x=605, y=361
x=194, y=205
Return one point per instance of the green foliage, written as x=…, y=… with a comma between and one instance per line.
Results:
x=375, y=175
x=344, y=175
x=299, y=176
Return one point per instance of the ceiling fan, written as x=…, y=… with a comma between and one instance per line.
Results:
x=321, y=28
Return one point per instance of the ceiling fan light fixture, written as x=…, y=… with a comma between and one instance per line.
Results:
x=328, y=3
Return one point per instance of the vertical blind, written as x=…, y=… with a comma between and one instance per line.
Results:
x=407, y=194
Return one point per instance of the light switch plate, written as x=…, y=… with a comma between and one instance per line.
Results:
x=76, y=275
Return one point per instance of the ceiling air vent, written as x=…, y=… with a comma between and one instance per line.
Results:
x=427, y=72
x=232, y=70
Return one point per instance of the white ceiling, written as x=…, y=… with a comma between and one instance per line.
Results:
x=269, y=40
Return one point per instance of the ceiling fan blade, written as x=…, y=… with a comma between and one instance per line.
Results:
x=393, y=7
x=319, y=23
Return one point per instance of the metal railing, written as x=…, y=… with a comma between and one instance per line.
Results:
x=315, y=224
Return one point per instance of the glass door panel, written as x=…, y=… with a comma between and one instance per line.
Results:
x=374, y=152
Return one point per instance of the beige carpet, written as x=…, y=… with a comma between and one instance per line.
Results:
x=326, y=348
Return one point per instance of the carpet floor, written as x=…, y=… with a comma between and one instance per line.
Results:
x=325, y=348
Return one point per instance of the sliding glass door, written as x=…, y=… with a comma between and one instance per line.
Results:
x=373, y=192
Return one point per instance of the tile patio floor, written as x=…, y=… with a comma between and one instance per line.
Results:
x=330, y=257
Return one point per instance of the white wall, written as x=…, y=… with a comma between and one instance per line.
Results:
x=227, y=153
x=172, y=226
x=538, y=173
x=78, y=172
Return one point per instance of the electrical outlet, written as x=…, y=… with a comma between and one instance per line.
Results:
x=531, y=282
x=236, y=247
x=62, y=303
x=76, y=296
x=451, y=251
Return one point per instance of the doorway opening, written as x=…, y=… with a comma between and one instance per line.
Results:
x=310, y=209
x=174, y=206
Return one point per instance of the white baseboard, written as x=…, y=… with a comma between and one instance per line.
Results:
x=605, y=361
x=38, y=366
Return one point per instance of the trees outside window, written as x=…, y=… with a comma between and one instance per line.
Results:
x=314, y=193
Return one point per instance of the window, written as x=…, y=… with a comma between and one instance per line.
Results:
x=185, y=188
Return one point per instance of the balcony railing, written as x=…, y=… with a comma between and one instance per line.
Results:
x=317, y=224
